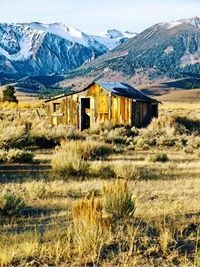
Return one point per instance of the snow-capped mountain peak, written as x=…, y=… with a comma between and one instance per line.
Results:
x=112, y=34
x=112, y=38
x=56, y=28
x=54, y=47
x=64, y=31
x=129, y=35
x=195, y=21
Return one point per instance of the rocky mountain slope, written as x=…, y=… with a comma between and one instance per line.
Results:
x=36, y=48
x=161, y=52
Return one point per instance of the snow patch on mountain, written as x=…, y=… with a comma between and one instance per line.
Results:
x=35, y=47
x=5, y=53
x=129, y=35
x=195, y=21
x=169, y=50
x=64, y=31
x=190, y=59
x=19, y=42
x=25, y=49
x=111, y=34
x=113, y=38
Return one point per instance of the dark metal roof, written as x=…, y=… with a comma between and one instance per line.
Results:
x=59, y=96
x=125, y=90
x=119, y=89
x=79, y=89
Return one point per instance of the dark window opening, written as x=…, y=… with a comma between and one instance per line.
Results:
x=56, y=107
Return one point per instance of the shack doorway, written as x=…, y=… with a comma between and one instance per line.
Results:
x=85, y=113
x=155, y=111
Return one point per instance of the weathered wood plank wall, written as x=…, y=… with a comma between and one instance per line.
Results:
x=104, y=106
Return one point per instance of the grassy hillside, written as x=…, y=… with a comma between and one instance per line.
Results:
x=167, y=87
x=191, y=96
x=157, y=54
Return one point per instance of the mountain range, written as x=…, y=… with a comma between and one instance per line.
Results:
x=162, y=52
x=36, y=48
x=59, y=56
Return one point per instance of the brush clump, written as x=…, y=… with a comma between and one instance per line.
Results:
x=119, y=202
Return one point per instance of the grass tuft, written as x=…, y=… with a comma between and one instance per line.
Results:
x=11, y=205
x=160, y=157
x=119, y=203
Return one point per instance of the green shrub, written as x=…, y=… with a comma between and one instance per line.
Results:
x=75, y=135
x=120, y=206
x=134, y=132
x=101, y=127
x=119, y=149
x=99, y=151
x=87, y=150
x=72, y=157
x=147, y=173
x=189, y=150
x=13, y=137
x=70, y=165
x=3, y=155
x=119, y=202
x=194, y=142
x=11, y=205
x=142, y=143
x=37, y=189
x=166, y=141
x=175, y=124
x=185, y=124
x=44, y=141
x=127, y=171
x=106, y=172
x=45, y=135
x=117, y=136
x=130, y=171
x=116, y=140
x=159, y=158
x=16, y=156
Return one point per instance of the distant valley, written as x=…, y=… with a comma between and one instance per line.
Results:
x=50, y=58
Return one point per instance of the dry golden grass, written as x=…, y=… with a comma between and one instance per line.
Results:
x=191, y=97
x=23, y=97
x=180, y=108
x=65, y=223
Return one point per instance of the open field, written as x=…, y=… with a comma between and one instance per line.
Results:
x=184, y=85
x=186, y=97
x=65, y=220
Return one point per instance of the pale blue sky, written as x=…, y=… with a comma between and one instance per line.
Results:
x=95, y=16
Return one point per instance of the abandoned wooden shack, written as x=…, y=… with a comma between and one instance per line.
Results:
x=101, y=102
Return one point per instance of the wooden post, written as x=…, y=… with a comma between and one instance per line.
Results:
x=110, y=106
x=77, y=114
x=37, y=112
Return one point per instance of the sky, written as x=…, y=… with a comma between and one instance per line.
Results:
x=96, y=16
